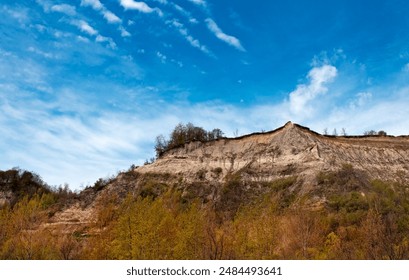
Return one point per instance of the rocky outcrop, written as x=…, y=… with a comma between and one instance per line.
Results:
x=288, y=150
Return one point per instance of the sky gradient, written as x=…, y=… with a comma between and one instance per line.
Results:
x=87, y=85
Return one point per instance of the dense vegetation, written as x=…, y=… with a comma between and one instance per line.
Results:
x=183, y=134
x=23, y=184
x=356, y=218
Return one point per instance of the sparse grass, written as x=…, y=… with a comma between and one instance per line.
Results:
x=282, y=183
x=345, y=179
x=152, y=189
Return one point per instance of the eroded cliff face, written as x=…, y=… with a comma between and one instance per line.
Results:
x=287, y=151
x=229, y=173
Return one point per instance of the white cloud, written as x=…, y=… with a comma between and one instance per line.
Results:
x=376, y=115
x=181, y=10
x=162, y=57
x=195, y=43
x=84, y=27
x=305, y=93
x=64, y=8
x=326, y=57
x=60, y=8
x=177, y=62
x=176, y=24
x=111, y=17
x=98, y=6
x=124, y=32
x=95, y=4
x=40, y=52
x=107, y=14
x=82, y=39
x=139, y=6
x=44, y=4
x=361, y=99
x=71, y=140
x=185, y=13
x=19, y=14
x=108, y=40
x=88, y=29
x=62, y=140
x=185, y=33
x=198, y=2
x=232, y=41
x=11, y=71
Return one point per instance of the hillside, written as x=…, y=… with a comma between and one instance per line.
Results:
x=288, y=150
x=291, y=179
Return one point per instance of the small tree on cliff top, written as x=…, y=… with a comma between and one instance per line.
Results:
x=183, y=134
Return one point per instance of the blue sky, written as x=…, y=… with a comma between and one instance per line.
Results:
x=87, y=85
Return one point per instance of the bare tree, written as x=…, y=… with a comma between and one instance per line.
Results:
x=370, y=133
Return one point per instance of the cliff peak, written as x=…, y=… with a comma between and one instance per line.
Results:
x=293, y=145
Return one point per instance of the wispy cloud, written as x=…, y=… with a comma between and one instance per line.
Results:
x=40, y=52
x=162, y=57
x=46, y=5
x=164, y=2
x=20, y=14
x=361, y=99
x=88, y=29
x=108, y=40
x=185, y=13
x=185, y=33
x=91, y=143
x=95, y=4
x=84, y=27
x=79, y=21
x=231, y=40
x=69, y=126
x=107, y=14
x=199, y=2
x=124, y=32
x=33, y=74
x=64, y=8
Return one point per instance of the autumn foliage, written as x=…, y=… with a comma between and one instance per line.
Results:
x=358, y=219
